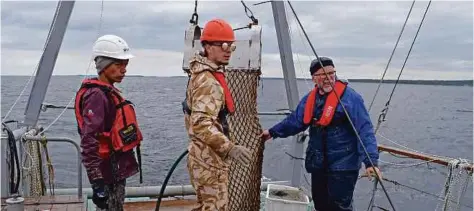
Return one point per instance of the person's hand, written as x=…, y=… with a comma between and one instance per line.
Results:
x=241, y=154
x=371, y=172
x=99, y=197
x=265, y=135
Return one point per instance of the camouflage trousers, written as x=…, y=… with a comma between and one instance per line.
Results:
x=210, y=185
x=116, y=193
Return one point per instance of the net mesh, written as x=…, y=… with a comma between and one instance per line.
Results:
x=245, y=129
x=455, y=186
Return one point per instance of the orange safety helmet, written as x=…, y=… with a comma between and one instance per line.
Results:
x=217, y=30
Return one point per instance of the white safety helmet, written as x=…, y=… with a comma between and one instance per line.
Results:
x=111, y=46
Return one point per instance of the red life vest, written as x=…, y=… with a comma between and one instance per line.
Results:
x=329, y=106
x=125, y=133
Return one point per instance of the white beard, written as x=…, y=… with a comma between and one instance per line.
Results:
x=324, y=89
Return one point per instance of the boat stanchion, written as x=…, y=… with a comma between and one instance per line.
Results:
x=15, y=204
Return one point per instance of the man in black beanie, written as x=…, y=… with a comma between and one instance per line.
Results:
x=334, y=154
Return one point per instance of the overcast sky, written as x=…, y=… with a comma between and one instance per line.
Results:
x=359, y=36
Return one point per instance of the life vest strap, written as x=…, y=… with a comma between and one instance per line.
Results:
x=227, y=108
x=229, y=102
x=330, y=105
x=139, y=158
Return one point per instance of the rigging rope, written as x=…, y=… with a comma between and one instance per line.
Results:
x=438, y=197
x=385, y=109
x=85, y=76
x=343, y=107
x=391, y=56
x=308, y=85
x=453, y=178
x=48, y=37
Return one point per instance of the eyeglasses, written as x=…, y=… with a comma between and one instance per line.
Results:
x=225, y=46
x=324, y=74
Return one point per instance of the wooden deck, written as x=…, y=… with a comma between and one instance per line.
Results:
x=52, y=203
x=166, y=205
x=73, y=203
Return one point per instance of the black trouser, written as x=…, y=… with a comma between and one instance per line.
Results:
x=332, y=191
x=116, y=193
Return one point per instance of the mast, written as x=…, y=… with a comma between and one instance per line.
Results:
x=286, y=56
x=43, y=76
x=47, y=63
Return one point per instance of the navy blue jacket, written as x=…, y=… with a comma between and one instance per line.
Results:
x=344, y=151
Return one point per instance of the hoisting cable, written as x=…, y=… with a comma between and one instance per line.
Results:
x=48, y=37
x=194, y=16
x=247, y=10
x=170, y=172
x=343, y=107
x=385, y=109
x=391, y=56
x=372, y=198
x=252, y=18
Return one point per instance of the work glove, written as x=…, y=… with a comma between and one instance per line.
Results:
x=241, y=154
x=99, y=197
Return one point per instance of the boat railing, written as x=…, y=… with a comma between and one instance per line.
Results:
x=177, y=190
x=143, y=191
x=78, y=151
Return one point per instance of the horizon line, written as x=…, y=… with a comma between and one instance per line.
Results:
x=268, y=77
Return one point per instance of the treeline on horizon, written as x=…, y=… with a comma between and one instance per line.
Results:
x=423, y=82
x=389, y=81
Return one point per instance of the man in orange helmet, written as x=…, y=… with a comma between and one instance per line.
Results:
x=208, y=102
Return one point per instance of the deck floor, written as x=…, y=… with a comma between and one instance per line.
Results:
x=166, y=205
x=52, y=203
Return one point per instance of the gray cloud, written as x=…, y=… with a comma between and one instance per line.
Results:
x=357, y=34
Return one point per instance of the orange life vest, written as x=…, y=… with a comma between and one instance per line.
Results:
x=125, y=133
x=229, y=102
x=329, y=106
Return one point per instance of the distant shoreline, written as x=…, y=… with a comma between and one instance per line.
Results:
x=388, y=81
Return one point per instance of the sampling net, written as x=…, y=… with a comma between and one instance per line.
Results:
x=245, y=130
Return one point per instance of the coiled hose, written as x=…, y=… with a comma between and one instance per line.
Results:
x=170, y=172
x=14, y=160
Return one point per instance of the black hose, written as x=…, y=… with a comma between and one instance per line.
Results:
x=13, y=160
x=170, y=172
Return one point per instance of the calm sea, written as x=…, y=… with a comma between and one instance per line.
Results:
x=433, y=119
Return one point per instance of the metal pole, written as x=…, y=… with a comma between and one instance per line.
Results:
x=286, y=56
x=5, y=179
x=154, y=191
x=47, y=62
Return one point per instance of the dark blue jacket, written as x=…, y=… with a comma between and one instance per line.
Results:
x=344, y=152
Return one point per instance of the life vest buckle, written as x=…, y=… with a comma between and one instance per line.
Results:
x=186, y=109
x=314, y=122
x=128, y=134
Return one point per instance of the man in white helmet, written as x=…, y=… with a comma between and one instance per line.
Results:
x=107, y=125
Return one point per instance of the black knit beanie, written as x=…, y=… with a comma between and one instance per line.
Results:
x=315, y=64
